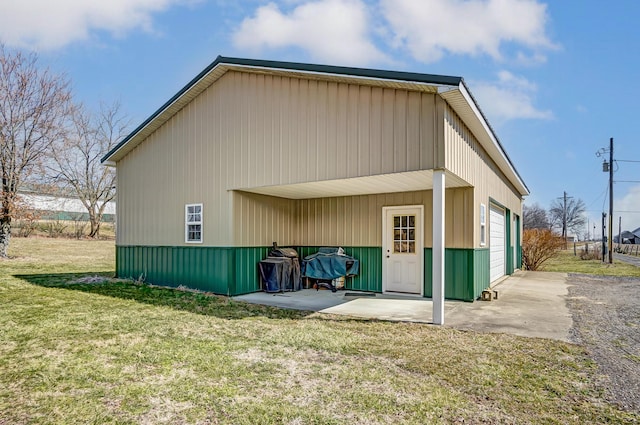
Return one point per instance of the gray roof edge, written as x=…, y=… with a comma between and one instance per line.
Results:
x=168, y=103
x=345, y=70
x=291, y=66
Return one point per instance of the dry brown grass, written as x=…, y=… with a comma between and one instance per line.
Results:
x=121, y=352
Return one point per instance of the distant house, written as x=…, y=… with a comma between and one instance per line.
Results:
x=400, y=169
x=628, y=237
x=57, y=207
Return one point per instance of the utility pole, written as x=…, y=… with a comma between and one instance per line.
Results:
x=619, y=231
x=610, y=241
x=564, y=218
x=604, y=226
x=608, y=167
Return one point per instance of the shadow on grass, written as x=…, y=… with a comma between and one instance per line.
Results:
x=203, y=303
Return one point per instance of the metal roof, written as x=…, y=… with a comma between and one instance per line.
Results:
x=452, y=89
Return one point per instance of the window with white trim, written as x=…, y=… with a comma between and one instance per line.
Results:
x=193, y=223
x=483, y=224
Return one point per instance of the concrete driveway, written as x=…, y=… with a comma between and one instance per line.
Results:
x=531, y=304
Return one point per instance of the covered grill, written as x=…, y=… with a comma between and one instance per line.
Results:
x=328, y=264
x=280, y=271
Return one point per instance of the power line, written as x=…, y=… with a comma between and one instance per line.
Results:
x=599, y=196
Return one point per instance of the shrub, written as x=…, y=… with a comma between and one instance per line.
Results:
x=595, y=253
x=54, y=228
x=26, y=218
x=25, y=228
x=539, y=245
x=79, y=228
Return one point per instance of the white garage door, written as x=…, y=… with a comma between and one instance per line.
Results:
x=496, y=243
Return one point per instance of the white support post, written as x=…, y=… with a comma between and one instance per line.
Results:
x=437, y=278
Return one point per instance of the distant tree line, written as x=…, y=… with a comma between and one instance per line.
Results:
x=560, y=217
x=49, y=140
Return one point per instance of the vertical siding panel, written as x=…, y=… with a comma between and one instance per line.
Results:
x=367, y=216
x=311, y=123
x=353, y=155
x=342, y=134
x=269, y=119
x=318, y=214
x=375, y=132
x=364, y=138
x=304, y=233
x=274, y=154
x=237, y=131
x=340, y=219
x=292, y=128
x=255, y=152
x=427, y=132
x=400, y=132
x=321, y=129
x=349, y=222
x=439, y=134
x=413, y=131
x=302, y=124
x=376, y=237
x=388, y=142
x=312, y=209
x=330, y=159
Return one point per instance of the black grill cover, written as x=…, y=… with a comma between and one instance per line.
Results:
x=280, y=274
x=276, y=251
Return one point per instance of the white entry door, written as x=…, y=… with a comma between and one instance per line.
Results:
x=496, y=243
x=402, y=250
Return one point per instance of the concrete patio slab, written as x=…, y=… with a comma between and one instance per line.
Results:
x=531, y=304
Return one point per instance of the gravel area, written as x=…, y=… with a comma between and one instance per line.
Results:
x=606, y=317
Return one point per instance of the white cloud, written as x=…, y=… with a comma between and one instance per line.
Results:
x=333, y=31
x=431, y=28
x=535, y=58
x=510, y=97
x=47, y=24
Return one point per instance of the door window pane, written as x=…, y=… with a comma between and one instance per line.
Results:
x=404, y=234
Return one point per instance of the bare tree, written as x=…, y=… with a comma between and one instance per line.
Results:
x=76, y=159
x=534, y=217
x=33, y=108
x=568, y=214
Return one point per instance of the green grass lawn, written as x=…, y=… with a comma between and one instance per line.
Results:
x=567, y=262
x=120, y=352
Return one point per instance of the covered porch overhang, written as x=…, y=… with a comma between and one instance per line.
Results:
x=437, y=180
x=384, y=183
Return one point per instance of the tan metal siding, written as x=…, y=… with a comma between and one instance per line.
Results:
x=260, y=220
x=329, y=124
x=250, y=130
x=357, y=220
x=466, y=158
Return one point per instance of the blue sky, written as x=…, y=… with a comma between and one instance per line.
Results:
x=555, y=79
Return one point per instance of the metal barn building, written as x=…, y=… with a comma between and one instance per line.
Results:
x=400, y=169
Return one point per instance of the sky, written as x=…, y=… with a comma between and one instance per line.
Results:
x=556, y=80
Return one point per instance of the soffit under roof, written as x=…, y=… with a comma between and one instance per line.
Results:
x=369, y=185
